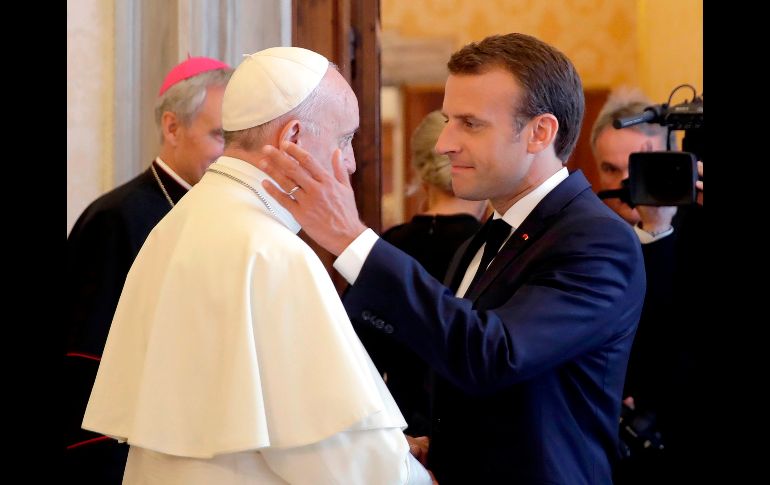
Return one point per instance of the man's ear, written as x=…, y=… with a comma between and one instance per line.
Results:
x=290, y=132
x=170, y=124
x=542, y=132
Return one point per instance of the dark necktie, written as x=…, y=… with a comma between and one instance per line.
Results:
x=497, y=232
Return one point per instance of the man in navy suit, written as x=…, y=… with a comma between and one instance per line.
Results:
x=530, y=353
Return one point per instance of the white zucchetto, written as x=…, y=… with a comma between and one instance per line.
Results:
x=270, y=83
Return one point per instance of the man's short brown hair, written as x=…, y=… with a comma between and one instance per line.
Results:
x=549, y=80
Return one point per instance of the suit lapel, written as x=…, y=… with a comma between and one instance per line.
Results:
x=521, y=238
x=532, y=228
x=463, y=257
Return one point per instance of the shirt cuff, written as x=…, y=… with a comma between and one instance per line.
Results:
x=647, y=237
x=351, y=260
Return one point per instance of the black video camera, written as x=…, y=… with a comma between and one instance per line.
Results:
x=664, y=178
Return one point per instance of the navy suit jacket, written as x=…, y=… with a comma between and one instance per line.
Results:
x=531, y=364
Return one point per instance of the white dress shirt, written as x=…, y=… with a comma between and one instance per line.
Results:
x=351, y=260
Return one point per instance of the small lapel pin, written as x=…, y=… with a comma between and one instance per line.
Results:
x=525, y=236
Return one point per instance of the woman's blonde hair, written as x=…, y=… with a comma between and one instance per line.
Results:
x=433, y=168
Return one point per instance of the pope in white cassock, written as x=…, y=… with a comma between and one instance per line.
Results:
x=231, y=359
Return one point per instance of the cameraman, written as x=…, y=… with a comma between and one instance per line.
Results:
x=653, y=355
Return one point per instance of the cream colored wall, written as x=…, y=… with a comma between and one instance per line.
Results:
x=599, y=36
x=654, y=44
x=670, y=38
x=90, y=108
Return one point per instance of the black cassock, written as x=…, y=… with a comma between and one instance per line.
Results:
x=100, y=250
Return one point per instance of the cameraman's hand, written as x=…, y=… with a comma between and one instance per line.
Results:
x=655, y=219
x=699, y=185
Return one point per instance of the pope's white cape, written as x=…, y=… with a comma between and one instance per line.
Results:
x=229, y=335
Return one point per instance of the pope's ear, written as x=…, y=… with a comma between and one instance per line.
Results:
x=290, y=132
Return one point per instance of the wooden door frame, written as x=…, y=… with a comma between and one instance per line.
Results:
x=347, y=33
